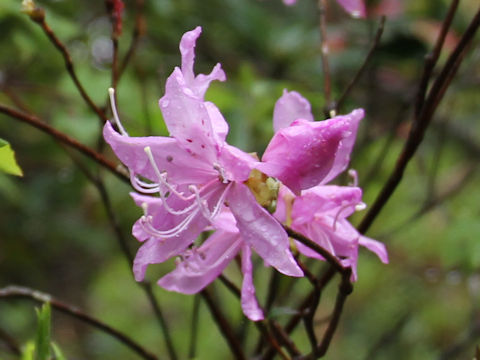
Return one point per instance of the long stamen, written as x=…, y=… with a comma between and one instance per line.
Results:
x=220, y=202
x=202, y=204
x=146, y=222
x=116, y=118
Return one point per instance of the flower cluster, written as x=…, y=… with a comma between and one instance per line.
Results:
x=194, y=181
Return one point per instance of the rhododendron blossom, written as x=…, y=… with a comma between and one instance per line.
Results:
x=194, y=181
x=356, y=8
x=312, y=208
x=195, y=174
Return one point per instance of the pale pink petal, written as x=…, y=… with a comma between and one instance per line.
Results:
x=283, y=211
x=261, y=231
x=219, y=125
x=187, y=119
x=169, y=156
x=289, y=2
x=187, y=49
x=356, y=8
x=203, y=265
x=376, y=247
x=250, y=306
x=198, y=84
x=336, y=201
x=237, y=164
x=290, y=107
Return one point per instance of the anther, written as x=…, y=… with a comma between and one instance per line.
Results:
x=353, y=174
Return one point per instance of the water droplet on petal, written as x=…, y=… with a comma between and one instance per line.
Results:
x=164, y=103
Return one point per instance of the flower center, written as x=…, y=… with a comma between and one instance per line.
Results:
x=264, y=188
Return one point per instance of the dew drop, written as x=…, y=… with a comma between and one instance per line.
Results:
x=165, y=103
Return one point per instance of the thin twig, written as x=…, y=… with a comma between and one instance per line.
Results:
x=421, y=122
x=262, y=327
x=39, y=18
x=314, y=246
x=432, y=58
x=24, y=292
x=146, y=286
x=224, y=326
x=324, y=50
x=65, y=139
x=10, y=342
x=294, y=321
x=138, y=31
x=366, y=62
x=192, y=349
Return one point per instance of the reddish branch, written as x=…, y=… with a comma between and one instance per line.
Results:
x=24, y=292
x=224, y=326
x=364, y=66
x=327, y=86
x=138, y=31
x=65, y=139
x=38, y=16
x=423, y=119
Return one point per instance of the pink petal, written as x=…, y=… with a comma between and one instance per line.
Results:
x=342, y=157
x=198, y=84
x=237, y=164
x=376, y=247
x=308, y=153
x=336, y=201
x=261, y=231
x=290, y=107
x=188, y=119
x=204, y=265
x=356, y=8
x=289, y=2
x=250, y=306
x=169, y=156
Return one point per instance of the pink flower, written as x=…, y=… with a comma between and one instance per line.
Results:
x=355, y=8
x=196, y=175
x=305, y=155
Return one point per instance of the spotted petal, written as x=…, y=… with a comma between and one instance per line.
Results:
x=169, y=156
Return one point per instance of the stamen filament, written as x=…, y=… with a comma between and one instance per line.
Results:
x=116, y=118
x=146, y=222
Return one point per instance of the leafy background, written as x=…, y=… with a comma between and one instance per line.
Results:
x=54, y=233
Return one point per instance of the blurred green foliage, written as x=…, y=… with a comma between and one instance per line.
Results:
x=54, y=233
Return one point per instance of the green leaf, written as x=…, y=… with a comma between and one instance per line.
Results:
x=57, y=352
x=42, y=338
x=8, y=163
x=29, y=351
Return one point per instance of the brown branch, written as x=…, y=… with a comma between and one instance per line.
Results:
x=67, y=140
x=38, y=16
x=27, y=293
x=327, y=85
x=225, y=328
x=10, y=342
x=366, y=62
x=146, y=286
x=432, y=58
x=295, y=320
x=314, y=246
x=279, y=333
x=138, y=31
x=421, y=122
